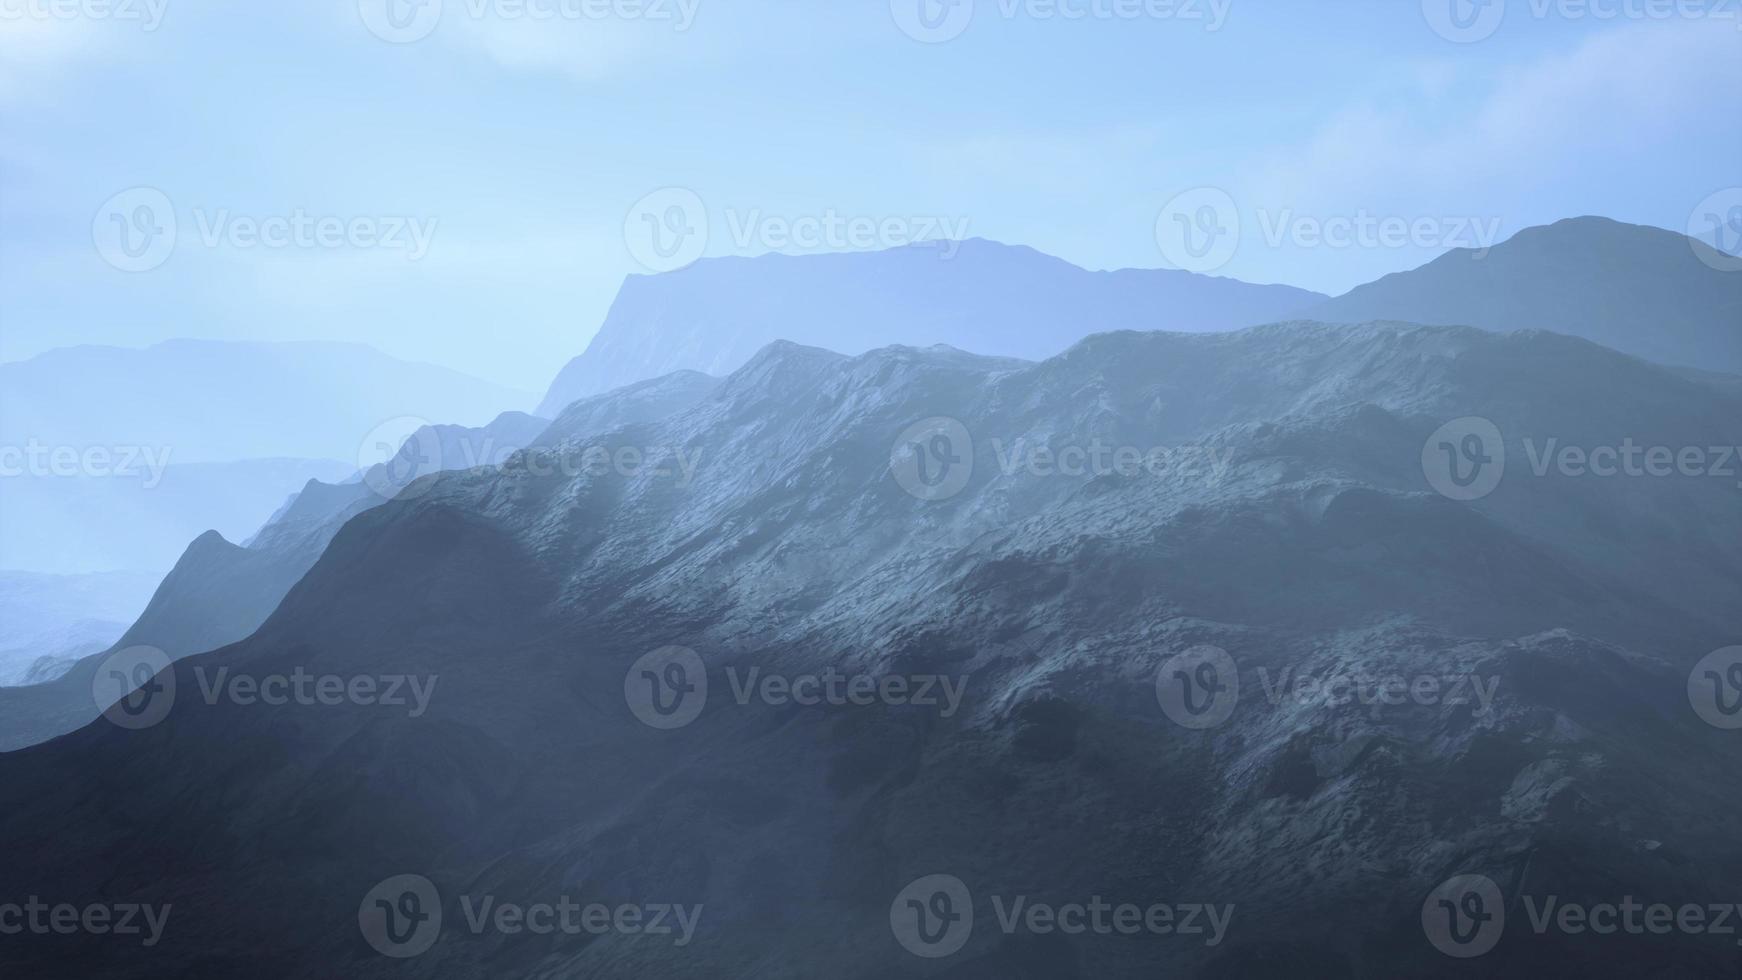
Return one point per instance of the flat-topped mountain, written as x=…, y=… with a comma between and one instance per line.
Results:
x=977, y=295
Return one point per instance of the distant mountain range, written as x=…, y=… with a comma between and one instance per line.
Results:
x=987, y=297
x=219, y=592
x=1637, y=289
x=207, y=401
x=1640, y=290
x=1284, y=510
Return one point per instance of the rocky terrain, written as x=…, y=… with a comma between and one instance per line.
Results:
x=817, y=514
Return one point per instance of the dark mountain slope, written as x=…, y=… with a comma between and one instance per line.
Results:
x=1303, y=537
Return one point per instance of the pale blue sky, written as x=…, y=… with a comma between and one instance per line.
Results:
x=528, y=142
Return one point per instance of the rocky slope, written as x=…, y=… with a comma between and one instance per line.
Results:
x=1285, y=516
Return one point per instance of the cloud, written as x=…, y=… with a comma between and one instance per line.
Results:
x=1618, y=90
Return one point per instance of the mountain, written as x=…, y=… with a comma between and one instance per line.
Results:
x=53, y=620
x=1645, y=291
x=1142, y=495
x=219, y=592
x=74, y=524
x=983, y=296
x=208, y=401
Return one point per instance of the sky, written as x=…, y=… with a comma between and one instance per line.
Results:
x=467, y=182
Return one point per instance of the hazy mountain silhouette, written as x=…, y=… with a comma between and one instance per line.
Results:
x=986, y=297
x=1288, y=520
x=219, y=592
x=1638, y=289
x=53, y=620
x=141, y=521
